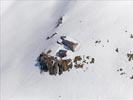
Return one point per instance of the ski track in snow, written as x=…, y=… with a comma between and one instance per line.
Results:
x=25, y=26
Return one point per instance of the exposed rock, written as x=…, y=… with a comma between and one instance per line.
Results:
x=130, y=56
x=43, y=66
x=46, y=63
x=61, y=53
x=120, y=69
x=56, y=66
x=66, y=64
x=60, y=69
x=49, y=51
x=49, y=37
x=122, y=73
x=59, y=22
x=92, y=61
x=53, y=65
x=131, y=77
x=59, y=42
x=78, y=65
x=98, y=41
x=87, y=57
x=84, y=61
x=69, y=44
x=77, y=58
x=131, y=36
x=107, y=40
x=62, y=37
x=116, y=50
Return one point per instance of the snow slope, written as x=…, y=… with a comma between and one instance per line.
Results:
x=25, y=26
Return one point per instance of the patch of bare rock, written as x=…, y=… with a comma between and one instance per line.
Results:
x=57, y=65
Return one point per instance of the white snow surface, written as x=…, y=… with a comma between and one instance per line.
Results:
x=24, y=28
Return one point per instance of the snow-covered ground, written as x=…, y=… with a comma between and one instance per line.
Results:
x=24, y=28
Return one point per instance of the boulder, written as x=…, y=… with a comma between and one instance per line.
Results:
x=61, y=53
x=69, y=44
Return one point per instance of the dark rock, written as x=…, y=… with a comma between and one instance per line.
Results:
x=61, y=53
x=49, y=37
x=116, y=50
x=69, y=44
x=98, y=41
x=60, y=68
x=59, y=43
x=131, y=36
x=131, y=77
x=55, y=66
x=122, y=73
x=70, y=65
x=77, y=58
x=84, y=61
x=87, y=57
x=59, y=22
x=92, y=61
x=78, y=65
x=121, y=69
x=66, y=64
x=43, y=66
x=62, y=37
x=130, y=56
x=49, y=51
